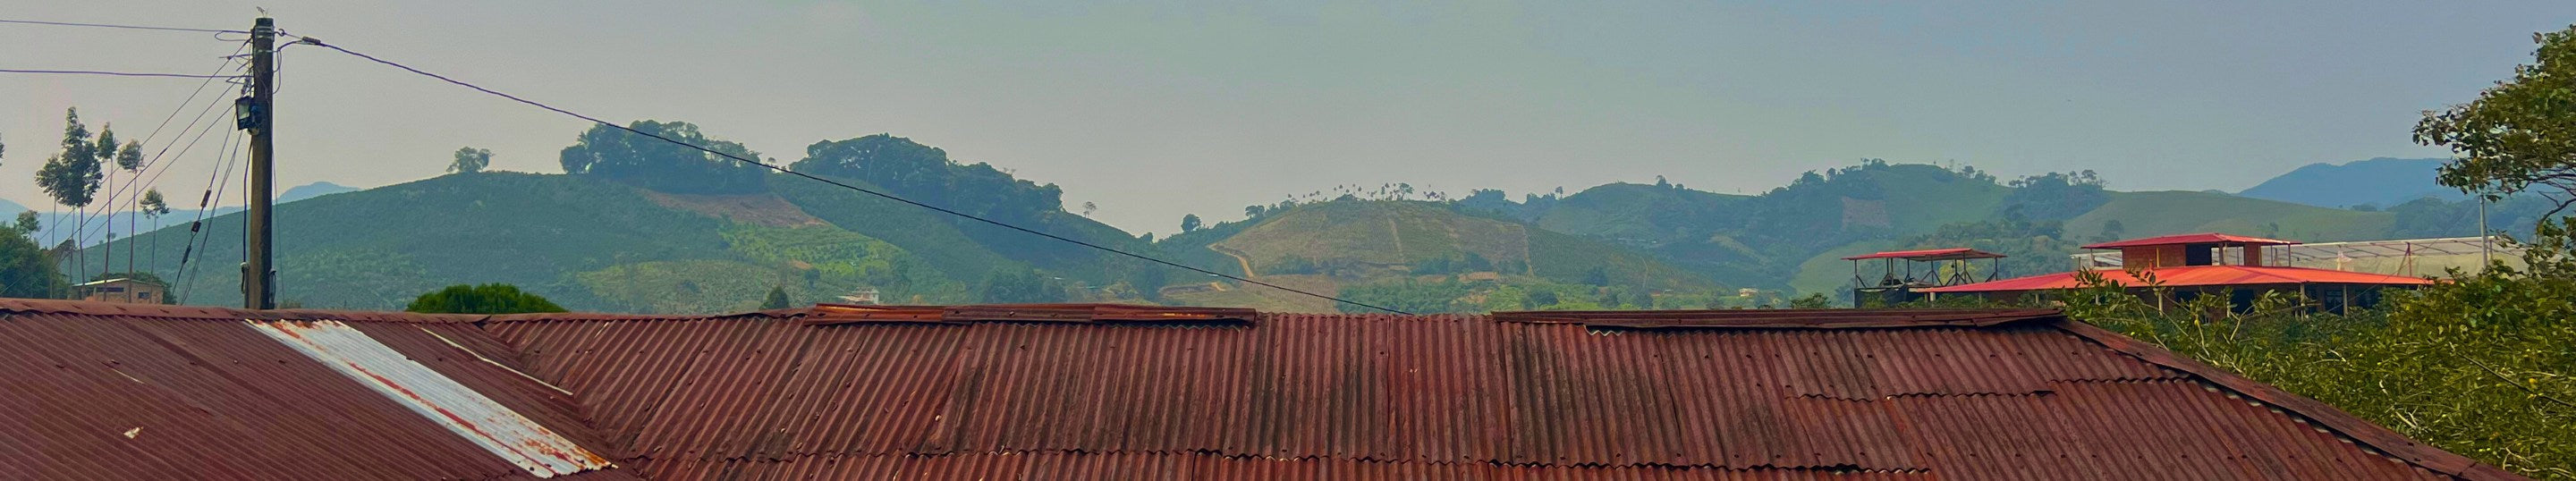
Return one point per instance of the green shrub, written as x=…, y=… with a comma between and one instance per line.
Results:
x=482, y=299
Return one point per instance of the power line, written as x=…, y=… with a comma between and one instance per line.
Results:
x=887, y=196
x=154, y=165
x=197, y=233
x=129, y=27
x=115, y=74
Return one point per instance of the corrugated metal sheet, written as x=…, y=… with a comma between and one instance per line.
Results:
x=2200, y=238
x=1366, y=396
x=129, y=392
x=193, y=393
x=1954, y=253
x=829, y=314
x=452, y=405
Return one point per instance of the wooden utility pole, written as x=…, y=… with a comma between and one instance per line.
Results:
x=259, y=277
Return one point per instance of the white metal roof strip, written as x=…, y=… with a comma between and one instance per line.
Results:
x=467, y=413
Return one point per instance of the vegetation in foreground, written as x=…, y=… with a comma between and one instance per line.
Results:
x=482, y=299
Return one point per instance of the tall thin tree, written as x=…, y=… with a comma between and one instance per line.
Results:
x=104, y=150
x=130, y=159
x=71, y=177
x=154, y=206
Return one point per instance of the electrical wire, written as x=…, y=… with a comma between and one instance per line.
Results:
x=112, y=74
x=863, y=190
x=215, y=183
x=129, y=27
x=153, y=166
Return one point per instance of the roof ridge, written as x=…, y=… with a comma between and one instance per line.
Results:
x=1782, y=318
x=1317, y=457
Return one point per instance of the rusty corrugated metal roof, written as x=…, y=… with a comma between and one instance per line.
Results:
x=123, y=391
x=1796, y=394
x=1918, y=394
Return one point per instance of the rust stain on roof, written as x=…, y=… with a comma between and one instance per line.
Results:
x=1029, y=392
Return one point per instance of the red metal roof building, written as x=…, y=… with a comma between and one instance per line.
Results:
x=1114, y=392
x=2198, y=264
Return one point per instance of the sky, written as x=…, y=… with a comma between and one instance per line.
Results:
x=1152, y=110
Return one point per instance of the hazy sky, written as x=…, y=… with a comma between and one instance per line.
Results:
x=1155, y=109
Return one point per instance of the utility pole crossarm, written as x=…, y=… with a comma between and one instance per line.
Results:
x=259, y=277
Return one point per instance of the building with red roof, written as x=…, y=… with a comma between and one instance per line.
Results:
x=2203, y=264
x=129, y=391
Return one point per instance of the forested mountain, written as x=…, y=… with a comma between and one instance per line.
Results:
x=2381, y=182
x=644, y=226
x=627, y=235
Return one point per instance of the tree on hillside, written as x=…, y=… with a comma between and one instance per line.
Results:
x=2056, y=195
x=777, y=299
x=154, y=206
x=1189, y=222
x=926, y=174
x=618, y=155
x=470, y=160
x=2518, y=135
x=1020, y=286
x=483, y=299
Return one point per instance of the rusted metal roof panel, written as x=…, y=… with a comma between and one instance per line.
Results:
x=829, y=314
x=1992, y=395
x=1782, y=318
x=469, y=414
x=93, y=396
x=1124, y=466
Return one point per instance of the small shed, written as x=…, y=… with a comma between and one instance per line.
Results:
x=123, y=289
x=1938, y=267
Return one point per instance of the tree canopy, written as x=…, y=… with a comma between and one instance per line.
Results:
x=777, y=298
x=483, y=299
x=2518, y=135
x=924, y=173
x=470, y=160
x=618, y=155
x=72, y=176
x=26, y=268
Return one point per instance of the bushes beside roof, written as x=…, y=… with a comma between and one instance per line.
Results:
x=482, y=299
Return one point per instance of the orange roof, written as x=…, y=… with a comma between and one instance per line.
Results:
x=2201, y=238
x=1930, y=255
x=2192, y=276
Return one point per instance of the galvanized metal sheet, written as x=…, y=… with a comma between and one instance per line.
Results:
x=469, y=414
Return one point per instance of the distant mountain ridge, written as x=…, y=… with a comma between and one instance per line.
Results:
x=600, y=243
x=181, y=210
x=2381, y=182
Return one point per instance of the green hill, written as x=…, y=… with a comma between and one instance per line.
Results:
x=584, y=243
x=1339, y=246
